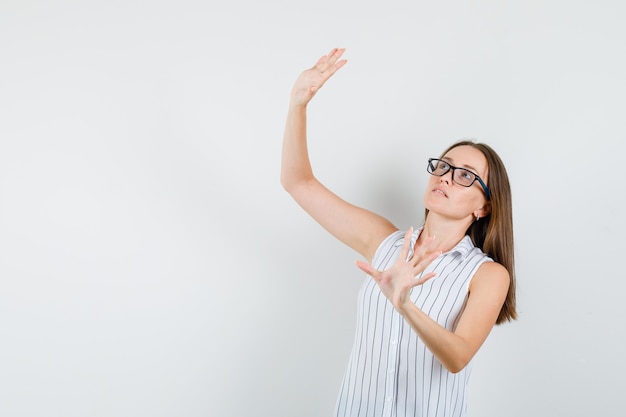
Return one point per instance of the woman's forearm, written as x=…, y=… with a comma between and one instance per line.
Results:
x=296, y=168
x=295, y=165
x=451, y=349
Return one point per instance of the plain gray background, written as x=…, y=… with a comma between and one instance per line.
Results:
x=151, y=264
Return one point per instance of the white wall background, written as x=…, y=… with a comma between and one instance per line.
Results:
x=151, y=264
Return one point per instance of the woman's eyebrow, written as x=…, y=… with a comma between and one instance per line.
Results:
x=451, y=161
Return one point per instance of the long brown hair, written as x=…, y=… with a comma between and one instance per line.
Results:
x=493, y=234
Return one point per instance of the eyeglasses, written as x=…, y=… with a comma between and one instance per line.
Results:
x=460, y=176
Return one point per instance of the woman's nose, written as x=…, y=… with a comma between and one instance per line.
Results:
x=447, y=177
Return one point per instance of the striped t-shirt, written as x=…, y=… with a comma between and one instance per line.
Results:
x=391, y=372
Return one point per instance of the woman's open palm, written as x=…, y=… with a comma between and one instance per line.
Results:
x=311, y=80
x=407, y=272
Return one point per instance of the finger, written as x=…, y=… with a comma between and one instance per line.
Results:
x=327, y=66
x=320, y=62
x=368, y=269
x=422, y=279
x=426, y=260
x=332, y=70
x=329, y=63
x=422, y=248
x=404, y=252
x=427, y=243
x=334, y=56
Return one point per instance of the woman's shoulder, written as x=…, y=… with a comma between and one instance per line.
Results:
x=490, y=274
x=394, y=238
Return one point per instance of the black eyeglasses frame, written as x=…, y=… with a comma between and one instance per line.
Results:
x=453, y=168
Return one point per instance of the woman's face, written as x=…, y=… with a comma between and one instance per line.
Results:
x=450, y=199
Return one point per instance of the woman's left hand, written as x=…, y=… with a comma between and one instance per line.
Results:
x=396, y=282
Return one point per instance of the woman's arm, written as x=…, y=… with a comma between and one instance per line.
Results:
x=360, y=229
x=487, y=293
x=455, y=349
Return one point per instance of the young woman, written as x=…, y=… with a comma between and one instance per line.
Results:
x=436, y=292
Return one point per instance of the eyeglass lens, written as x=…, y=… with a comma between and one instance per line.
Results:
x=459, y=175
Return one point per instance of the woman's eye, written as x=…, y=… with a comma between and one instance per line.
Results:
x=467, y=175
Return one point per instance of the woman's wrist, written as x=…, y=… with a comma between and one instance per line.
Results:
x=296, y=105
x=404, y=306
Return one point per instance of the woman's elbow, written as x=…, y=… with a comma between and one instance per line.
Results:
x=287, y=182
x=456, y=365
x=455, y=369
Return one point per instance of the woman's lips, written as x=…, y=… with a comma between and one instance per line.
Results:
x=440, y=190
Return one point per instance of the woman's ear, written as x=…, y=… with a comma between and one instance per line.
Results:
x=483, y=211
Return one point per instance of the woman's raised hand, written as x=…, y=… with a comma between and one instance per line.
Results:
x=311, y=80
x=406, y=273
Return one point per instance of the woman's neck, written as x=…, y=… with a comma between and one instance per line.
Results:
x=448, y=233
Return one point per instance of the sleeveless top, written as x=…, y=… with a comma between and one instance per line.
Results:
x=391, y=372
